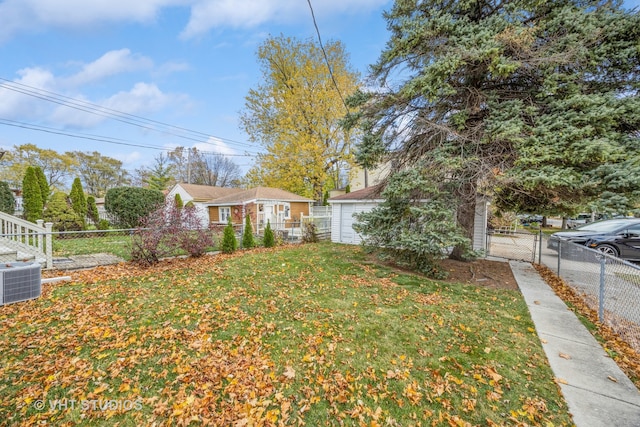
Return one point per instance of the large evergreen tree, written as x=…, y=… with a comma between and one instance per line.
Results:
x=533, y=102
x=31, y=196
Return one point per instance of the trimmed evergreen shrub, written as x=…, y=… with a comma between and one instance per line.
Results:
x=229, y=241
x=103, y=224
x=78, y=201
x=178, y=201
x=248, y=241
x=92, y=210
x=61, y=214
x=43, y=184
x=7, y=200
x=31, y=196
x=128, y=206
x=268, y=240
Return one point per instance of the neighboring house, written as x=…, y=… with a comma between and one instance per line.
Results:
x=281, y=208
x=365, y=178
x=199, y=195
x=343, y=207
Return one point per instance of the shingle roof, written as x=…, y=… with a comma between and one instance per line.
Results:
x=202, y=193
x=370, y=193
x=259, y=193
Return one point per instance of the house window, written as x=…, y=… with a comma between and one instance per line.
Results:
x=225, y=214
x=287, y=211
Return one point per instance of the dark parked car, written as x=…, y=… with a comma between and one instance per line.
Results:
x=616, y=237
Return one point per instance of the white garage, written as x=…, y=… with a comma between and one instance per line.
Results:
x=343, y=208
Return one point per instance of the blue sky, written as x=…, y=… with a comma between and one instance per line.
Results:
x=184, y=63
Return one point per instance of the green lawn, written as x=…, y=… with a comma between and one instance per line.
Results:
x=118, y=244
x=305, y=334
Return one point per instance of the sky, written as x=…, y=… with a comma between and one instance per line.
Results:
x=179, y=69
x=146, y=76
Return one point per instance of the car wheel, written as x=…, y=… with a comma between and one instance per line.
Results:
x=608, y=249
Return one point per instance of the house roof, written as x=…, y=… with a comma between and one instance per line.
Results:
x=258, y=194
x=370, y=193
x=203, y=193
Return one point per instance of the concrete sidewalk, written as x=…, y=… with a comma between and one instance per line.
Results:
x=596, y=390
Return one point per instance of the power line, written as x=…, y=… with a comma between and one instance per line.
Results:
x=113, y=114
x=100, y=138
x=326, y=58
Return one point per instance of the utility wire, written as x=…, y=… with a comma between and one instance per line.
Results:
x=326, y=58
x=120, y=116
x=99, y=138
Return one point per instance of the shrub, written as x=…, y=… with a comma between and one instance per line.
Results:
x=178, y=201
x=154, y=240
x=7, y=201
x=78, y=201
x=129, y=206
x=43, y=184
x=310, y=233
x=269, y=239
x=194, y=237
x=92, y=211
x=61, y=214
x=168, y=229
x=103, y=224
x=248, y=241
x=229, y=241
x=31, y=196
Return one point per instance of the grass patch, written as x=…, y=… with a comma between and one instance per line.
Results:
x=119, y=244
x=305, y=333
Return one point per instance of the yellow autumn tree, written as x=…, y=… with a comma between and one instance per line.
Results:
x=295, y=115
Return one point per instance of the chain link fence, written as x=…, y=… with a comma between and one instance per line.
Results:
x=608, y=285
x=515, y=245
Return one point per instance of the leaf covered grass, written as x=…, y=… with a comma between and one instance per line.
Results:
x=298, y=335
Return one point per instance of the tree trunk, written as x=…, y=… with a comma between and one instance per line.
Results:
x=465, y=216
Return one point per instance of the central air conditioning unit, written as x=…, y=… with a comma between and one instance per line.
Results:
x=19, y=281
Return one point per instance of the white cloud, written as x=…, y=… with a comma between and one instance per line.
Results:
x=208, y=14
x=111, y=63
x=33, y=15
x=140, y=99
x=131, y=158
x=27, y=98
x=215, y=145
x=37, y=15
x=15, y=104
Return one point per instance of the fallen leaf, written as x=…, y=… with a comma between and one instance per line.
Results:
x=289, y=372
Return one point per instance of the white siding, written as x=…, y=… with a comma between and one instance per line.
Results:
x=336, y=209
x=342, y=221
x=201, y=210
x=480, y=224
